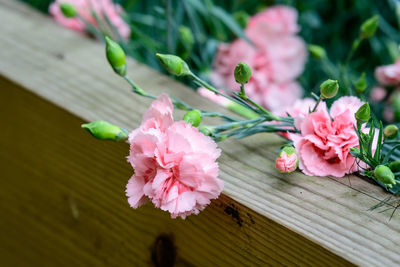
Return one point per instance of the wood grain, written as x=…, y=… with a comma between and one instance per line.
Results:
x=69, y=188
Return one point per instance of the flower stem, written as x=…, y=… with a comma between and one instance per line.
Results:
x=316, y=104
x=243, y=95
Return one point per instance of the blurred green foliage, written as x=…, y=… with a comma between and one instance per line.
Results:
x=334, y=25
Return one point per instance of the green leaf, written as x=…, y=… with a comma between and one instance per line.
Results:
x=229, y=22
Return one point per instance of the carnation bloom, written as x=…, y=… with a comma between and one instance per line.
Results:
x=378, y=93
x=388, y=74
x=276, y=59
x=325, y=140
x=175, y=165
x=85, y=8
x=275, y=22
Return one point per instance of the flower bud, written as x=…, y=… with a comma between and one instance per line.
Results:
x=106, y=131
x=368, y=28
x=395, y=166
x=316, y=51
x=287, y=160
x=115, y=56
x=193, y=117
x=242, y=73
x=186, y=36
x=391, y=131
x=363, y=113
x=329, y=88
x=361, y=84
x=385, y=175
x=174, y=64
x=68, y=10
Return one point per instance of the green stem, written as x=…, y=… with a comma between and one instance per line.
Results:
x=234, y=125
x=212, y=89
x=266, y=112
x=179, y=104
x=316, y=104
x=136, y=89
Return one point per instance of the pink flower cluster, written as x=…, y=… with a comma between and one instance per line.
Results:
x=175, y=165
x=388, y=74
x=326, y=138
x=85, y=8
x=276, y=59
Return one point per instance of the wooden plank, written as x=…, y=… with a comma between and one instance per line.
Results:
x=62, y=202
x=71, y=72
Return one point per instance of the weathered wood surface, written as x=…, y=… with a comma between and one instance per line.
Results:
x=62, y=193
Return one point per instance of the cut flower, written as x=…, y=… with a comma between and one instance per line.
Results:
x=324, y=143
x=175, y=165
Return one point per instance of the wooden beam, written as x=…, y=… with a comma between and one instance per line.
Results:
x=62, y=195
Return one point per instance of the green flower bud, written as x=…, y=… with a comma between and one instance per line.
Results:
x=391, y=131
x=363, y=113
x=316, y=51
x=68, y=10
x=186, y=36
x=242, y=73
x=241, y=18
x=361, y=84
x=115, y=56
x=329, y=88
x=106, y=131
x=385, y=175
x=174, y=64
x=395, y=166
x=368, y=28
x=193, y=117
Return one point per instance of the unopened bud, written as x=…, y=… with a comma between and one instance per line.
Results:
x=395, y=166
x=106, y=131
x=368, y=28
x=193, y=117
x=316, y=51
x=385, y=175
x=115, y=56
x=287, y=160
x=363, y=114
x=361, y=84
x=174, y=64
x=68, y=10
x=186, y=36
x=329, y=88
x=242, y=73
x=391, y=131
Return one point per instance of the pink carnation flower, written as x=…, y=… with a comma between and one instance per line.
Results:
x=275, y=62
x=388, y=74
x=274, y=22
x=378, y=93
x=175, y=165
x=325, y=140
x=84, y=8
